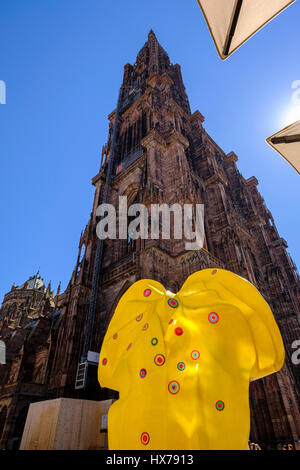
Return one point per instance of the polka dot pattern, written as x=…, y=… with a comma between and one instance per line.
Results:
x=213, y=318
x=145, y=438
x=174, y=387
x=157, y=333
x=159, y=360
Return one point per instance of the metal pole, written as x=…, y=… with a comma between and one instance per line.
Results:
x=99, y=251
x=232, y=28
x=289, y=139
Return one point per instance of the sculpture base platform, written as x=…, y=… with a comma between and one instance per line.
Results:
x=66, y=424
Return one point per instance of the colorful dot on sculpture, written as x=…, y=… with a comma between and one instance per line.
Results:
x=171, y=321
x=104, y=362
x=115, y=336
x=173, y=303
x=139, y=317
x=214, y=271
x=154, y=341
x=178, y=331
x=145, y=438
x=181, y=366
x=195, y=355
x=174, y=387
x=143, y=373
x=147, y=292
x=129, y=346
x=213, y=317
x=145, y=327
x=159, y=360
x=220, y=405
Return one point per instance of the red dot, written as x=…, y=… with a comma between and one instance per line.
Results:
x=214, y=272
x=159, y=360
x=178, y=331
x=145, y=438
x=213, y=317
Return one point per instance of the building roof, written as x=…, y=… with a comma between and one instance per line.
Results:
x=34, y=282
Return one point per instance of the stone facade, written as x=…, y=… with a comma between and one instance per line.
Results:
x=164, y=155
x=25, y=325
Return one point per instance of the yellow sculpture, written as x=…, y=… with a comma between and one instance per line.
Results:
x=182, y=363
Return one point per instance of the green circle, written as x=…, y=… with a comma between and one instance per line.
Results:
x=220, y=405
x=154, y=341
x=173, y=303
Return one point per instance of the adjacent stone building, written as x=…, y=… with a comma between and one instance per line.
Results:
x=163, y=155
x=25, y=325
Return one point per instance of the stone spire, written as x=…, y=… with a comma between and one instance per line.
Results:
x=153, y=56
x=48, y=292
x=153, y=47
x=58, y=289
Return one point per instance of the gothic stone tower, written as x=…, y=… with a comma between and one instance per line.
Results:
x=164, y=155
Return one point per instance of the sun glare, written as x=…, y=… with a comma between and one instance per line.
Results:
x=292, y=115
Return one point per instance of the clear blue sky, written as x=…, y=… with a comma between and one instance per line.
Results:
x=62, y=61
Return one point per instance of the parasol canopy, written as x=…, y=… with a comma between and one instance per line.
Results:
x=287, y=143
x=233, y=22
